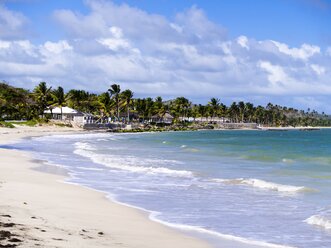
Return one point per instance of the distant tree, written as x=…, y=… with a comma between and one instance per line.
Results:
x=214, y=105
x=43, y=96
x=59, y=98
x=127, y=96
x=115, y=91
x=106, y=103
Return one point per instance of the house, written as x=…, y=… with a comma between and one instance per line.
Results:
x=66, y=114
x=165, y=118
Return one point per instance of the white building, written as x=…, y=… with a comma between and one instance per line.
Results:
x=63, y=113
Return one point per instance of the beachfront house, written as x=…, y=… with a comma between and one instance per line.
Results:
x=63, y=113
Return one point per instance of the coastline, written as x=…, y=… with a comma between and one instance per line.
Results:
x=39, y=209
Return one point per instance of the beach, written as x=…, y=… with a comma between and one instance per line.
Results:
x=38, y=210
x=64, y=187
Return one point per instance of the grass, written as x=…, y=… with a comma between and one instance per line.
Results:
x=30, y=123
x=6, y=124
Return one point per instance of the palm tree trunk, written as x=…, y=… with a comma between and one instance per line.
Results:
x=117, y=110
x=127, y=109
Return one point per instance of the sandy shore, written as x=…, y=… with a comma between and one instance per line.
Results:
x=38, y=210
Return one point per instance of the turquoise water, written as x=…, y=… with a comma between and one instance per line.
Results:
x=256, y=187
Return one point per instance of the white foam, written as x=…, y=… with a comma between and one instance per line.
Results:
x=320, y=220
x=131, y=163
x=153, y=216
x=90, y=168
x=74, y=136
x=257, y=183
x=85, y=146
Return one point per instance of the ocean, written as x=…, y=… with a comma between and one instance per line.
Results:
x=260, y=188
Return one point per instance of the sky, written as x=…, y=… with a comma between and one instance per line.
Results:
x=260, y=51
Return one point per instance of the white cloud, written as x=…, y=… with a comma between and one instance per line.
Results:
x=12, y=24
x=304, y=52
x=188, y=55
x=243, y=42
x=57, y=47
x=318, y=69
x=4, y=44
x=115, y=42
x=276, y=73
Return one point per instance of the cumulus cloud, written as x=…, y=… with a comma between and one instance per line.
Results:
x=304, y=52
x=187, y=55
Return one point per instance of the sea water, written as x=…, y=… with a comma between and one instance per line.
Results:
x=268, y=189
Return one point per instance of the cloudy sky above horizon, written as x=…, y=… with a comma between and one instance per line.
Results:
x=275, y=51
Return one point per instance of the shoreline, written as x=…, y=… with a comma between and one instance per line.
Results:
x=175, y=235
x=45, y=209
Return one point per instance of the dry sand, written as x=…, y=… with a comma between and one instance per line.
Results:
x=38, y=210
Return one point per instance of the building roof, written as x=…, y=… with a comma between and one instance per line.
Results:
x=65, y=110
x=164, y=116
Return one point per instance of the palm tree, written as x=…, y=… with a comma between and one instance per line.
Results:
x=106, y=102
x=249, y=108
x=115, y=91
x=127, y=96
x=79, y=99
x=201, y=110
x=59, y=98
x=241, y=106
x=234, y=111
x=43, y=96
x=181, y=105
x=214, y=104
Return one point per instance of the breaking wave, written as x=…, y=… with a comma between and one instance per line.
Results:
x=257, y=183
x=129, y=163
x=322, y=219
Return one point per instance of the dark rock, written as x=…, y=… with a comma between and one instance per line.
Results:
x=5, y=235
x=14, y=240
x=7, y=224
x=8, y=245
x=5, y=215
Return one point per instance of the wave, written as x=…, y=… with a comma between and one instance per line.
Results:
x=323, y=221
x=74, y=136
x=90, y=168
x=129, y=163
x=153, y=216
x=85, y=146
x=257, y=183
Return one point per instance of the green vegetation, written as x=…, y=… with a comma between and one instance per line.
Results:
x=21, y=104
x=6, y=124
x=30, y=123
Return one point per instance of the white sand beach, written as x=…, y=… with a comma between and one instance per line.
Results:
x=38, y=210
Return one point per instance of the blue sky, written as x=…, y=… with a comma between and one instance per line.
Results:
x=261, y=51
x=291, y=21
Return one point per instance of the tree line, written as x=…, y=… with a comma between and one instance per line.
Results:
x=17, y=103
